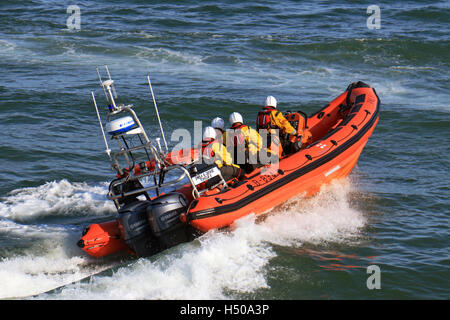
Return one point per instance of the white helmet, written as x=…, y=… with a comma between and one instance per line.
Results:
x=209, y=133
x=218, y=123
x=271, y=102
x=236, y=117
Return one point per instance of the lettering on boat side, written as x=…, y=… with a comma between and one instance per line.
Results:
x=263, y=179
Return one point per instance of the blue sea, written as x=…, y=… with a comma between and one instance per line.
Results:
x=209, y=59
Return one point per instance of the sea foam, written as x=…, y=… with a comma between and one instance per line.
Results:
x=222, y=265
x=61, y=198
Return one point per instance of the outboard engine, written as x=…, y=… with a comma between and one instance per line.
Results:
x=164, y=217
x=136, y=230
x=149, y=227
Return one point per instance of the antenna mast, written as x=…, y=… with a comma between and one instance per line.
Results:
x=157, y=113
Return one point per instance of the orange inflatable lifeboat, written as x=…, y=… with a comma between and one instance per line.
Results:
x=336, y=136
x=339, y=132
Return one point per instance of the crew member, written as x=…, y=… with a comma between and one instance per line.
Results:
x=246, y=143
x=214, y=151
x=219, y=125
x=270, y=118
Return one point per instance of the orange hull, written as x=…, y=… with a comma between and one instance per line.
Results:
x=339, y=131
x=339, y=139
x=103, y=239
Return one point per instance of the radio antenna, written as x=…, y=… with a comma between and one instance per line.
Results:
x=109, y=75
x=101, y=83
x=108, y=150
x=157, y=113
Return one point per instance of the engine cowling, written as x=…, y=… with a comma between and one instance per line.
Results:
x=149, y=227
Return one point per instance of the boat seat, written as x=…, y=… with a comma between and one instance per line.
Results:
x=298, y=120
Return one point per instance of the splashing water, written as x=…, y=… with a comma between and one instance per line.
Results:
x=55, y=198
x=220, y=265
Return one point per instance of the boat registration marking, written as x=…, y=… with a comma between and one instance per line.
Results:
x=332, y=170
x=208, y=174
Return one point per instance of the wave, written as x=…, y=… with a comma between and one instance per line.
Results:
x=168, y=55
x=226, y=265
x=6, y=47
x=56, y=198
x=48, y=259
x=436, y=13
x=319, y=219
x=39, y=257
x=52, y=261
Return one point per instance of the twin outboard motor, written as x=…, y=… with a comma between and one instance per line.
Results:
x=149, y=227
